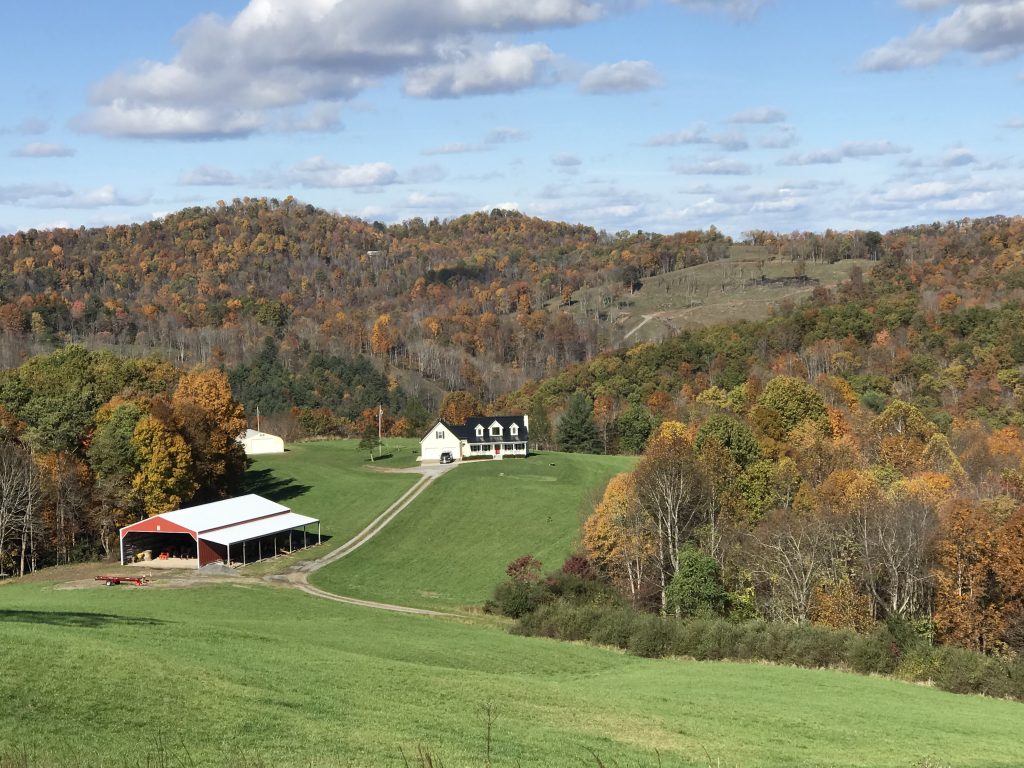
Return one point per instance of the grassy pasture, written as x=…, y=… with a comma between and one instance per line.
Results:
x=334, y=481
x=246, y=674
x=255, y=675
x=451, y=545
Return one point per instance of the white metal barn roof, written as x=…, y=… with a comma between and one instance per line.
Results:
x=254, y=530
x=221, y=514
x=224, y=524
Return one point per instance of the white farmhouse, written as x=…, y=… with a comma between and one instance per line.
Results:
x=480, y=437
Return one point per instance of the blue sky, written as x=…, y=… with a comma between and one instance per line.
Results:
x=659, y=115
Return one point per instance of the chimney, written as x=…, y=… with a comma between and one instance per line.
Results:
x=526, y=421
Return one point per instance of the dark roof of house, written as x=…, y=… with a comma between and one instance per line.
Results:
x=468, y=430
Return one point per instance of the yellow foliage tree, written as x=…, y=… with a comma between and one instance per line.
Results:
x=618, y=538
x=164, y=480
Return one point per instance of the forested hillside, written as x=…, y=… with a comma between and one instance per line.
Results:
x=856, y=457
x=466, y=303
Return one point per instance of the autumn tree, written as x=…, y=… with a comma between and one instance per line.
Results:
x=967, y=610
x=619, y=539
x=458, y=406
x=164, y=481
x=791, y=401
x=211, y=422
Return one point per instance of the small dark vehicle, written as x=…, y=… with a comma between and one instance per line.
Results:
x=447, y=458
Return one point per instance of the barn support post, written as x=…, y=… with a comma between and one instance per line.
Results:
x=121, y=536
x=243, y=551
x=303, y=537
x=229, y=554
x=259, y=550
x=317, y=531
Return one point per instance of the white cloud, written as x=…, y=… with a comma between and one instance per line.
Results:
x=621, y=77
x=714, y=167
x=456, y=148
x=505, y=136
x=43, y=150
x=209, y=176
x=500, y=70
x=741, y=9
x=319, y=173
x=783, y=137
x=852, y=149
x=698, y=134
x=566, y=160
x=992, y=30
x=760, y=115
x=56, y=195
x=229, y=77
x=958, y=156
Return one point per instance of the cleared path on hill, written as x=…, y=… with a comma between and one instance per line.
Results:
x=298, y=575
x=645, y=321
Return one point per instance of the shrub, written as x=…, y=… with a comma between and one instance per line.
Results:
x=518, y=598
x=650, y=637
x=877, y=652
x=696, y=589
x=615, y=627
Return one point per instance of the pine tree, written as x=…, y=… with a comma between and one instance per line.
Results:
x=577, y=432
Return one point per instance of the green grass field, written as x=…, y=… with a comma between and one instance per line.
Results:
x=240, y=675
x=247, y=674
x=451, y=545
x=335, y=482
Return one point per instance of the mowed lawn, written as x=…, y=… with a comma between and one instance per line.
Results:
x=262, y=676
x=450, y=547
x=334, y=481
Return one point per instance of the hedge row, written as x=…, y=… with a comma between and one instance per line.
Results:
x=883, y=652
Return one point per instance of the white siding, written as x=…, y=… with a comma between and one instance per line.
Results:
x=438, y=440
x=261, y=442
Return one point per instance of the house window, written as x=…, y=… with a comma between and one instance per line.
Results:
x=479, y=430
x=514, y=430
x=520, y=446
x=495, y=431
x=475, y=448
x=508, y=446
x=439, y=434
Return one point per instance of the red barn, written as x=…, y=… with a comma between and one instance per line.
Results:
x=234, y=530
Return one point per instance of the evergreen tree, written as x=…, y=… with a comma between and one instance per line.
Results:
x=577, y=432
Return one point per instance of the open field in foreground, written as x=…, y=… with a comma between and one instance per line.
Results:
x=236, y=675
x=449, y=548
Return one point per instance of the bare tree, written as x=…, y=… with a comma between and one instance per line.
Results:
x=17, y=481
x=790, y=555
x=670, y=489
x=896, y=544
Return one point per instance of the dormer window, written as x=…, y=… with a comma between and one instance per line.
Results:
x=479, y=430
x=514, y=430
x=496, y=430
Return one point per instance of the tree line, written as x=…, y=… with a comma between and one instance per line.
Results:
x=90, y=442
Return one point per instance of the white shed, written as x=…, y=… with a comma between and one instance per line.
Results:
x=261, y=442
